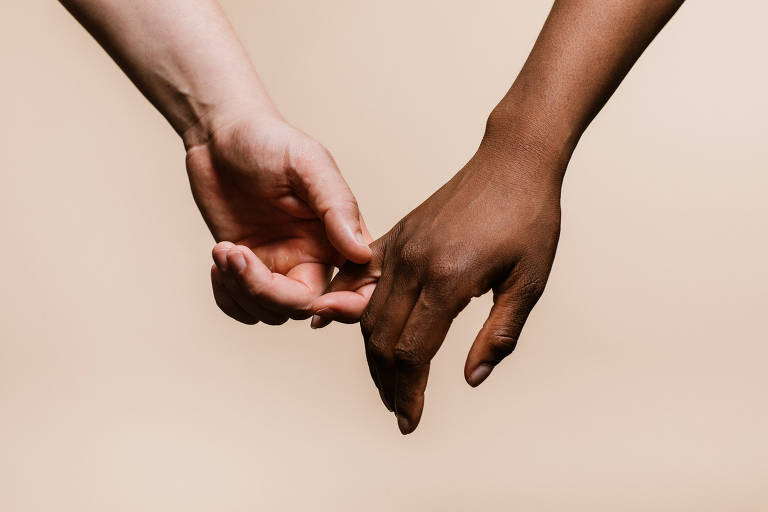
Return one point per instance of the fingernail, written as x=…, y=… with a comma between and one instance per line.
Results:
x=237, y=260
x=220, y=253
x=359, y=237
x=404, y=425
x=384, y=400
x=318, y=320
x=480, y=374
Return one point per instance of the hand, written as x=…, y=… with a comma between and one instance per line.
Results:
x=283, y=214
x=494, y=226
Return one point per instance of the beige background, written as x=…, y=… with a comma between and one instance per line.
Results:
x=640, y=382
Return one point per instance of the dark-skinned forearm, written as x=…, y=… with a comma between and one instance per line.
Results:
x=582, y=54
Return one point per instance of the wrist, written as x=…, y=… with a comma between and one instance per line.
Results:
x=215, y=117
x=513, y=129
x=528, y=145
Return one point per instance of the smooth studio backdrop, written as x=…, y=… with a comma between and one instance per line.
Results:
x=640, y=380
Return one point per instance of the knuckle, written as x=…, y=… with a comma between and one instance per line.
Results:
x=307, y=153
x=321, y=151
x=413, y=255
x=338, y=207
x=531, y=288
x=348, y=204
x=447, y=291
x=444, y=271
x=377, y=350
x=502, y=344
x=528, y=283
x=437, y=300
x=409, y=355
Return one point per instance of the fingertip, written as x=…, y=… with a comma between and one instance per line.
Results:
x=356, y=250
x=405, y=424
x=346, y=235
x=318, y=322
x=219, y=254
x=479, y=374
x=325, y=315
x=226, y=244
x=364, y=252
x=408, y=409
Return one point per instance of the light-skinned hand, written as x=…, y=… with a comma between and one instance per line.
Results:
x=281, y=211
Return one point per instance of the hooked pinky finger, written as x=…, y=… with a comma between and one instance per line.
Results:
x=226, y=303
x=344, y=306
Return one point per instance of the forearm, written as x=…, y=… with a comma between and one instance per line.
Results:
x=582, y=54
x=183, y=56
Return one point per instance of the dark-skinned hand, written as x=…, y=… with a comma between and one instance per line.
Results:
x=493, y=226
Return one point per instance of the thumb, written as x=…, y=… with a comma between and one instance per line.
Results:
x=332, y=201
x=498, y=337
x=348, y=293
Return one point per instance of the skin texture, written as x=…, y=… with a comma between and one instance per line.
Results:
x=495, y=225
x=270, y=193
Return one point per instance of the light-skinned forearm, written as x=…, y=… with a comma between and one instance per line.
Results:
x=183, y=56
